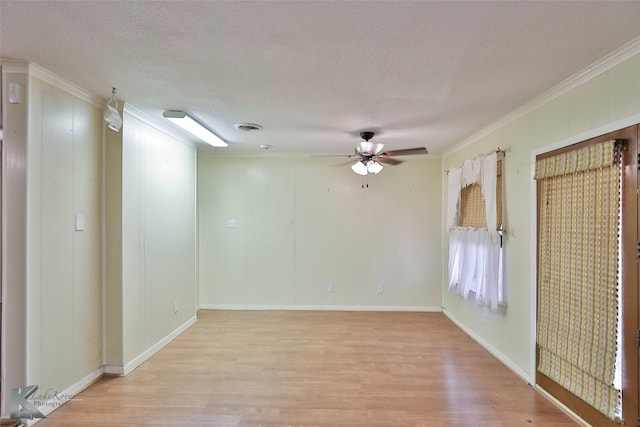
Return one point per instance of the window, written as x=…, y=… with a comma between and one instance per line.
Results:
x=475, y=249
x=473, y=212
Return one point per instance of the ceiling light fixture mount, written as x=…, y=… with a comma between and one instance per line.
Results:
x=367, y=135
x=187, y=123
x=111, y=114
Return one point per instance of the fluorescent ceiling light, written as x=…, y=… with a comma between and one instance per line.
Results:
x=187, y=123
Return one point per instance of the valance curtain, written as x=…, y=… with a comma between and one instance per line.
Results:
x=475, y=254
x=578, y=245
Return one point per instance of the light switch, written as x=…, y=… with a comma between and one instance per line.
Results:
x=231, y=223
x=79, y=222
x=16, y=93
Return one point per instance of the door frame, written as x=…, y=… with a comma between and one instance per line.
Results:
x=629, y=276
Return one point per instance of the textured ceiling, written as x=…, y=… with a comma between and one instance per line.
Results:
x=316, y=73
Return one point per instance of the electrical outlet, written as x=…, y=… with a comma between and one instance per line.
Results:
x=175, y=307
x=380, y=289
x=331, y=288
x=484, y=317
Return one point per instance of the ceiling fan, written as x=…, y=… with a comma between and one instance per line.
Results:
x=370, y=157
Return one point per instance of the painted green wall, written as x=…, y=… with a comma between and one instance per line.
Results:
x=608, y=101
x=64, y=266
x=303, y=224
x=14, y=232
x=149, y=219
x=158, y=235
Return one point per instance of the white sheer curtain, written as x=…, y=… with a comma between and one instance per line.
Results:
x=475, y=254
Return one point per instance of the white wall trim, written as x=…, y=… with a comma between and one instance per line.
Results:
x=601, y=66
x=142, y=357
x=592, y=133
x=562, y=407
x=60, y=398
x=533, y=287
x=114, y=370
x=14, y=220
x=47, y=76
x=491, y=349
x=156, y=124
x=103, y=235
x=196, y=226
x=12, y=67
x=249, y=307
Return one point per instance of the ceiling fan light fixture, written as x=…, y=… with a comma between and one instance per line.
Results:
x=374, y=167
x=360, y=168
x=183, y=120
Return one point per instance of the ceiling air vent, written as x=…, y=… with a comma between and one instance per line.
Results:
x=248, y=127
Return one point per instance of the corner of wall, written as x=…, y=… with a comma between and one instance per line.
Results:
x=113, y=326
x=14, y=235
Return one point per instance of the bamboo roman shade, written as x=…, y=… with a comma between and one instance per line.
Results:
x=579, y=208
x=472, y=205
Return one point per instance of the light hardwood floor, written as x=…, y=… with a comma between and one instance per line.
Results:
x=274, y=368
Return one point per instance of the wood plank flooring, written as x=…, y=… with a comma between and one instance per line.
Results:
x=293, y=368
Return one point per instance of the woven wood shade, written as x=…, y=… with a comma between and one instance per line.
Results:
x=578, y=272
x=472, y=205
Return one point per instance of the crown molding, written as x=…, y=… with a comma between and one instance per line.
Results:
x=13, y=66
x=45, y=75
x=603, y=65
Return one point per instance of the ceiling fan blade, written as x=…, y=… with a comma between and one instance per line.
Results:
x=407, y=152
x=332, y=155
x=343, y=164
x=388, y=160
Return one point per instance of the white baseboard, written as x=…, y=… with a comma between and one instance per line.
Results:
x=562, y=407
x=317, y=307
x=142, y=357
x=113, y=370
x=57, y=399
x=491, y=349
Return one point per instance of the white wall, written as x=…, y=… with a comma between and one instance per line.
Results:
x=151, y=224
x=113, y=319
x=150, y=199
x=608, y=101
x=14, y=232
x=305, y=223
x=64, y=266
